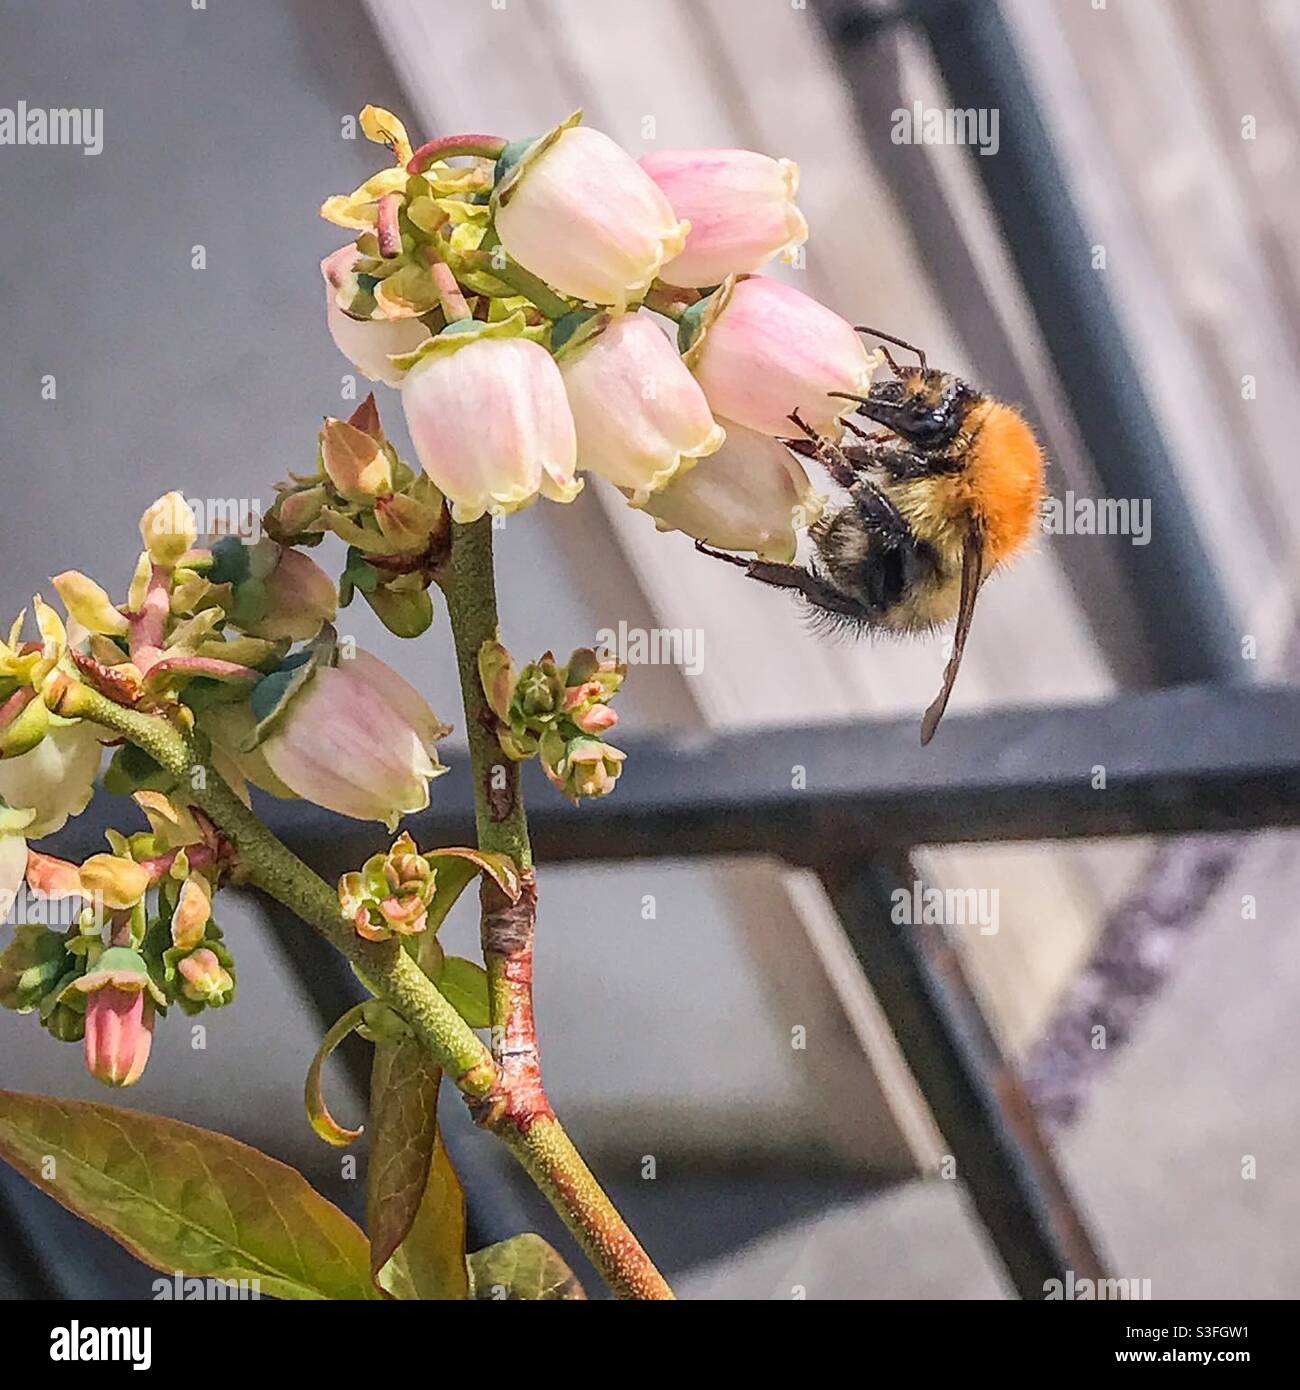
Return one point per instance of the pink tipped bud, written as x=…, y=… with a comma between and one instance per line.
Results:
x=766, y=350
x=204, y=979
x=596, y=719
x=740, y=206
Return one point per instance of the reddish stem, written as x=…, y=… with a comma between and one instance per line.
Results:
x=449, y=146
x=507, y=933
x=149, y=625
x=387, y=230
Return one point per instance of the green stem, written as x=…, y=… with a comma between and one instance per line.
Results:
x=518, y=1111
x=537, y=1140
x=501, y=267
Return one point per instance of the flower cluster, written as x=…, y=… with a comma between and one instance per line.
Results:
x=392, y=518
x=142, y=940
x=391, y=894
x=501, y=296
x=557, y=715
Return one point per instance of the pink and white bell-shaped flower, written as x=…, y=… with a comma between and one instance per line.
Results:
x=489, y=419
x=56, y=779
x=579, y=212
x=741, y=207
x=641, y=416
x=120, y=1000
x=366, y=343
x=762, y=350
x=13, y=863
x=751, y=495
x=357, y=739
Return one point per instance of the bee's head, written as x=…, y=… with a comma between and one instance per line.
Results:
x=924, y=406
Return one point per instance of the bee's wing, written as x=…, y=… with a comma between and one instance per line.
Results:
x=972, y=564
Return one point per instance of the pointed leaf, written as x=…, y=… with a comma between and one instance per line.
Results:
x=318, y=1113
x=523, y=1267
x=429, y=1263
x=404, y=1123
x=183, y=1198
x=499, y=867
x=457, y=868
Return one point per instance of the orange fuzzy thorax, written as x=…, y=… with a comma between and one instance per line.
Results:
x=1004, y=476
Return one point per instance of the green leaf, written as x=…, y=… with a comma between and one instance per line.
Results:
x=132, y=770
x=318, y=1113
x=465, y=984
x=456, y=867
x=430, y=1262
x=404, y=1123
x=523, y=1267
x=415, y=1205
x=31, y=966
x=183, y=1198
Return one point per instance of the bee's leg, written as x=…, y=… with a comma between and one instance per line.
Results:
x=902, y=463
x=721, y=555
x=830, y=456
x=814, y=588
x=818, y=591
x=871, y=436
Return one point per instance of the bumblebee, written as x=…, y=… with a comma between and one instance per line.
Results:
x=948, y=490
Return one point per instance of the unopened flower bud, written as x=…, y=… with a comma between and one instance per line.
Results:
x=295, y=512
x=595, y=719
x=120, y=1001
x=89, y=604
x=740, y=206
x=193, y=909
x=204, y=979
x=589, y=768
x=540, y=689
x=168, y=529
x=762, y=350
x=391, y=894
x=24, y=719
x=294, y=600
x=356, y=462
x=121, y=883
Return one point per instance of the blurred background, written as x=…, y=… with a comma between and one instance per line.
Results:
x=1121, y=257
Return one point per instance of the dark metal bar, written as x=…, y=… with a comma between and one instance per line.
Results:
x=1160, y=762
x=1183, y=614
x=973, y=1093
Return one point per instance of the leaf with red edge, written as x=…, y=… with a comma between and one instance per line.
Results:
x=456, y=868
x=183, y=1198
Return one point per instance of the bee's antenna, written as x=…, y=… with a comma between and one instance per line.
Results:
x=897, y=342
